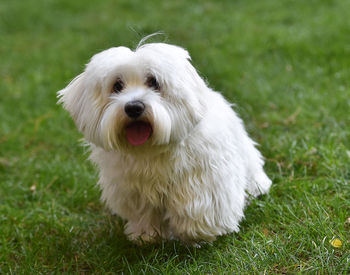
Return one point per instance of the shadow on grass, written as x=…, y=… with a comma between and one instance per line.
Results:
x=93, y=242
x=112, y=251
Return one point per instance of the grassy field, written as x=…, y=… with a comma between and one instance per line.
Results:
x=286, y=64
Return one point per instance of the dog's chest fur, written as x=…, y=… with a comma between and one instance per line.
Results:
x=165, y=181
x=145, y=178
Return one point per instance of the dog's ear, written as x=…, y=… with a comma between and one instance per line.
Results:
x=72, y=98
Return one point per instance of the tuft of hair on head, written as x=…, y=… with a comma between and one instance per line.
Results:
x=143, y=40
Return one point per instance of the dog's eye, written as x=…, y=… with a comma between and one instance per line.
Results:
x=152, y=83
x=118, y=86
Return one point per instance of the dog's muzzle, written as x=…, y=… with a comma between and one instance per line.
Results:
x=134, y=109
x=137, y=131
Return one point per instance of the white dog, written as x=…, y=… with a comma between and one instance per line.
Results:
x=175, y=160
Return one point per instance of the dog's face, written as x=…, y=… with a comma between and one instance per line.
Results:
x=128, y=100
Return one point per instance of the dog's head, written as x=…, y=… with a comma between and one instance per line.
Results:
x=128, y=99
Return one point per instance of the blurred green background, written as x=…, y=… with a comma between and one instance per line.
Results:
x=285, y=64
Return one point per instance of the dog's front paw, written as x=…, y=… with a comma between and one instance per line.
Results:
x=193, y=232
x=259, y=184
x=140, y=234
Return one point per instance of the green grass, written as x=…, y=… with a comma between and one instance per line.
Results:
x=286, y=64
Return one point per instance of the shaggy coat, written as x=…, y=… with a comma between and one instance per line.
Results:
x=191, y=174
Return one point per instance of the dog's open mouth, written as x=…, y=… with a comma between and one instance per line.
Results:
x=138, y=132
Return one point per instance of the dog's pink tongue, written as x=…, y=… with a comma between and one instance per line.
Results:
x=138, y=132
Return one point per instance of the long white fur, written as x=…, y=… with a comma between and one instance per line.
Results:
x=191, y=179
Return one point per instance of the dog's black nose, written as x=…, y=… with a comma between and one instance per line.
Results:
x=134, y=108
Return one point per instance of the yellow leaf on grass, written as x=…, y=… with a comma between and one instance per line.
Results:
x=336, y=243
x=33, y=188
